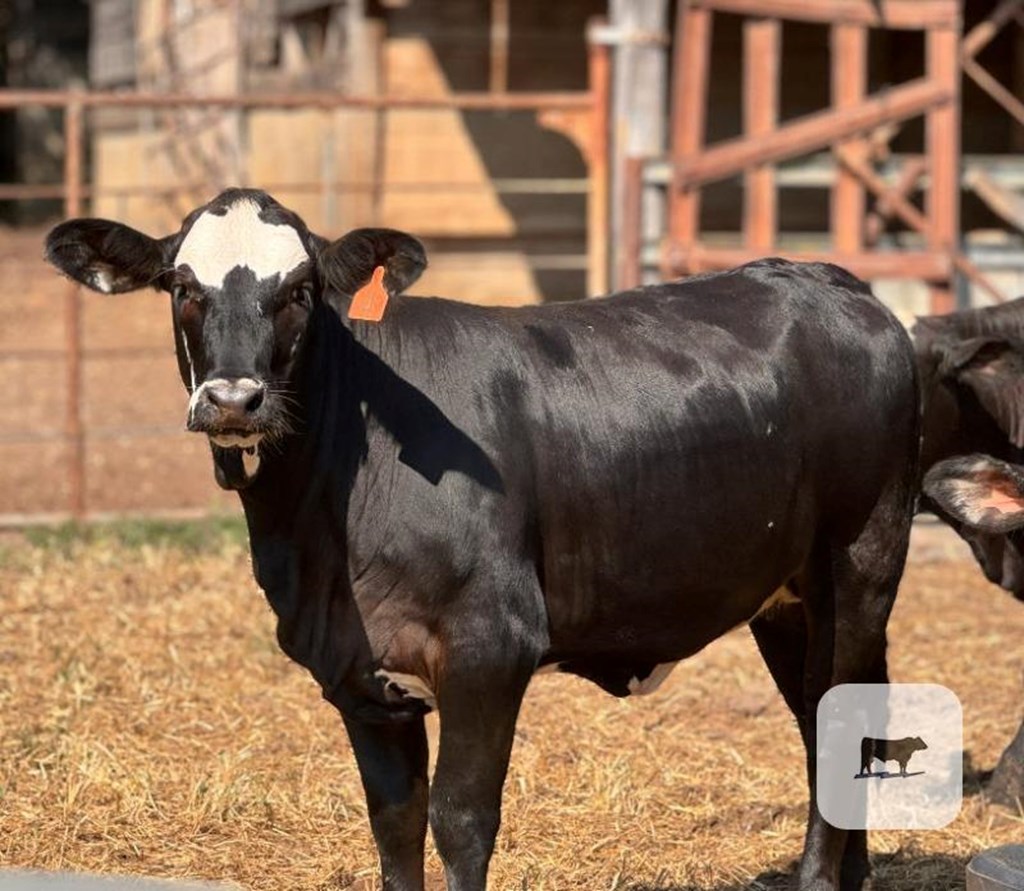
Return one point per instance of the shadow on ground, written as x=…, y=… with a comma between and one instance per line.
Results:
x=975, y=778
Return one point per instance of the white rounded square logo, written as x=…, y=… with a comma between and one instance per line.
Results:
x=890, y=756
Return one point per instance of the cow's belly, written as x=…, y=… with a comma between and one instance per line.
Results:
x=630, y=670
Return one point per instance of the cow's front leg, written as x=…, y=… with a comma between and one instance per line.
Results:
x=478, y=710
x=392, y=761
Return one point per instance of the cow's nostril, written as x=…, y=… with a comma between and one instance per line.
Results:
x=255, y=401
x=218, y=399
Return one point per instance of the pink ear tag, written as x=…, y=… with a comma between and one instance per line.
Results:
x=369, y=302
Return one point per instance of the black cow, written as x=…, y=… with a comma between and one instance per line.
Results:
x=441, y=504
x=971, y=365
x=888, y=750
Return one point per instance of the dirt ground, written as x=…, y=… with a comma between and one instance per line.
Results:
x=150, y=725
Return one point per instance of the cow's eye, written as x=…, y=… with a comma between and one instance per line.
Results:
x=181, y=293
x=303, y=295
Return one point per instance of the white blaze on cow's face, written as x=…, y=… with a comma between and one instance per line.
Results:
x=220, y=242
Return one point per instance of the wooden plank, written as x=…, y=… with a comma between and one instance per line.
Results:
x=849, y=87
x=761, y=115
x=689, y=90
x=815, y=131
x=942, y=147
x=906, y=14
x=882, y=264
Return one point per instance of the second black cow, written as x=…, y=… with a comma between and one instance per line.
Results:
x=448, y=501
x=972, y=379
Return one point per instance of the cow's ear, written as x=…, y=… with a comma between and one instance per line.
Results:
x=108, y=257
x=991, y=366
x=979, y=491
x=994, y=371
x=348, y=263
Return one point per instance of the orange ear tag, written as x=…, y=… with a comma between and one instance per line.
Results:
x=369, y=301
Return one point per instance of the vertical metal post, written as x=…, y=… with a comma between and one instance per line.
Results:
x=599, y=68
x=690, y=69
x=499, y=46
x=943, y=149
x=73, y=114
x=630, y=265
x=638, y=36
x=760, y=117
x=849, y=87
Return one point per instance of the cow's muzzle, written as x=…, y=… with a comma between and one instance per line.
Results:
x=228, y=410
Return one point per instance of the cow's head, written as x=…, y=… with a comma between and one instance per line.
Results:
x=918, y=744
x=246, y=279
x=986, y=497
x=972, y=375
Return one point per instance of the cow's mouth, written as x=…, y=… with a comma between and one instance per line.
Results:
x=235, y=466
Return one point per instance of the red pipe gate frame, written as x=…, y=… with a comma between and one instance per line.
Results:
x=849, y=128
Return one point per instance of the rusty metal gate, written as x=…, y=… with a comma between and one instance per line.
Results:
x=581, y=116
x=855, y=128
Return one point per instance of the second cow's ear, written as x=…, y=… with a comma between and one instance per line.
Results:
x=992, y=367
x=994, y=371
x=348, y=263
x=108, y=257
x=979, y=491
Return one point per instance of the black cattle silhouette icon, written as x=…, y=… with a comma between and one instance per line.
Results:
x=888, y=750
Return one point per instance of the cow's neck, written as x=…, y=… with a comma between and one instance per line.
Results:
x=297, y=508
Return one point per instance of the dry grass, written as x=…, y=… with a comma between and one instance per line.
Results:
x=149, y=725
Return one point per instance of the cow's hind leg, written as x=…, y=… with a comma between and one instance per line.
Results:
x=783, y=637
x=392, y=761
x=847, y=645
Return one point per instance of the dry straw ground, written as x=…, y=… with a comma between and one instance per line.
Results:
x=151, y=726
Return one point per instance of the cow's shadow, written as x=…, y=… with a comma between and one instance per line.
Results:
x=902, y=871
x=887, y=775
x=429, y=442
